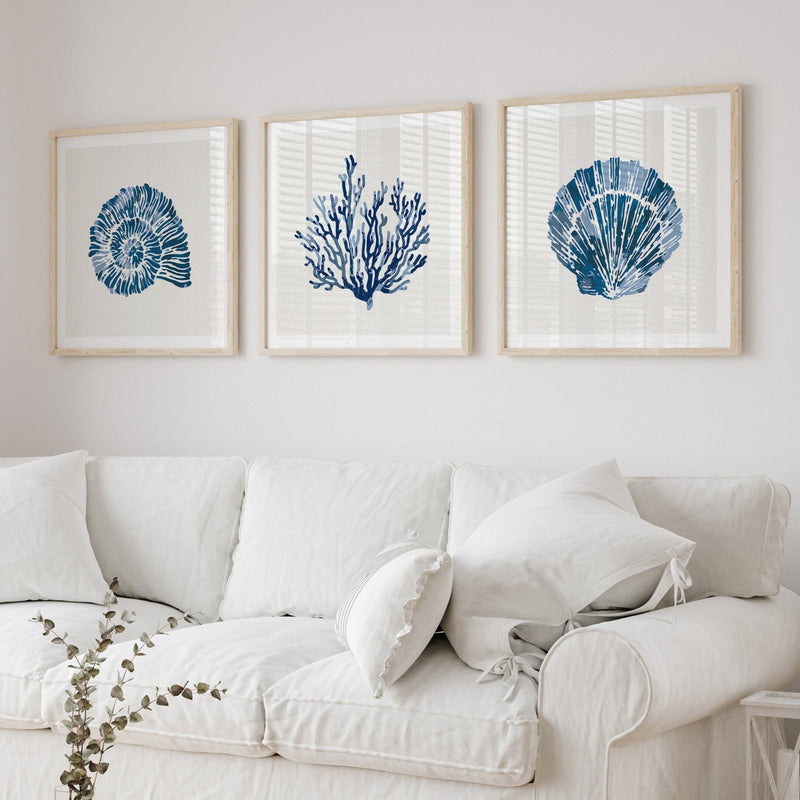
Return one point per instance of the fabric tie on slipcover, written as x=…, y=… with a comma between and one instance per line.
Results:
x=681, y=581
x=528, y=663
x=510, y=667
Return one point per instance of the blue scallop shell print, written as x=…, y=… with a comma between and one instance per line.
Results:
x=137, y=238
x=613, y=226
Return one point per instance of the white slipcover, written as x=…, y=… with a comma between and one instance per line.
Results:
x=309, y=528
x=245, y=656
x=606, y=728
x=433, y=722
x=738, y=523
x=638, y=678
x=570, y=553
x=25, y=654
x=166, y=527
x=47, y=554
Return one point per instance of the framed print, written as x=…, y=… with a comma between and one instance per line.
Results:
x=366, y=232
x=143, y=239
x=619, y=223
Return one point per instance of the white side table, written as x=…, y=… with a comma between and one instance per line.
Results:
x=765, y=735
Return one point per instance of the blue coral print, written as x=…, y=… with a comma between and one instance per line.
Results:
x=136, y=238
x=364, y=258
x=613, y=226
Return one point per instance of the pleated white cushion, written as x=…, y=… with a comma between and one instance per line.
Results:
x=392, y=611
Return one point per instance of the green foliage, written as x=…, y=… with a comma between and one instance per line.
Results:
x=88, y=740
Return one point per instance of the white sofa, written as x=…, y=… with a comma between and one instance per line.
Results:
x=641, y=707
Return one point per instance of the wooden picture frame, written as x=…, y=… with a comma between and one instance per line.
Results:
x=144, y=239
x=618, y=301
x=330, y=302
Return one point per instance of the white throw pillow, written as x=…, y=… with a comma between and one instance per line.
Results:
x=392, y=611
x=46, y=550
x=567, y=554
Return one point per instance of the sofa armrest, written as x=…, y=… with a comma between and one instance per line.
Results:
x=638, y=676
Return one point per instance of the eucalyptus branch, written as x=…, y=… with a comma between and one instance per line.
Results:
x=87, y=750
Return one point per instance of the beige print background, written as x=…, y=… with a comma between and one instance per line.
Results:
x=184, y=170
x=686, y=303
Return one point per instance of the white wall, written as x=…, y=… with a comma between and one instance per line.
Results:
x=98, y=62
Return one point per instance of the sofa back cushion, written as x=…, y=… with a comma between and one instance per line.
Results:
x=309, y=528
x=738, y=523
x=47, y=554
x=166, y=527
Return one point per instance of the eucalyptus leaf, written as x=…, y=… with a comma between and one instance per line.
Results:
x=78, y=703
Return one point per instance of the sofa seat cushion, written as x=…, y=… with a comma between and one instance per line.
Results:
x=435, y=721
x=25, y=654
x=245, y=656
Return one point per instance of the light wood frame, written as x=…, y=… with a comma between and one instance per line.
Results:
x=232, y=237
x=735, y=347
x=466, y=233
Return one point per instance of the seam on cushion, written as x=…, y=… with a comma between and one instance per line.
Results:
x=766, y=536
x=149, y=687
x=242, y=508
x=37, y=677
x=647, y=706
x=385, y=757
x=691, y=477
x=444, y=533
x=661, y=558
x=517, y=721
x=233, y=539
x=25, y=719
x=192, y=737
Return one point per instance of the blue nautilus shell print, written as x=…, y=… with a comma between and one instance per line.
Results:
x=137, y=238
x=613, y=226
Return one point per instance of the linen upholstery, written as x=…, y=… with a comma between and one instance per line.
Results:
x=310, y=527
x=166, y=527
x=245, y=656
x=47, y=554
x=29, y=759
x=569, y=553
x=738, y=523
x=609, y=764
x=25, y=655
x=433, y=722
x=586, y=748
x=633, y=679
